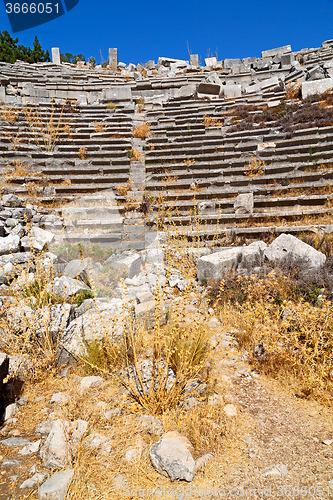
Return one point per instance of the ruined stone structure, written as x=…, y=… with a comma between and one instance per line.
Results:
x=202, y=149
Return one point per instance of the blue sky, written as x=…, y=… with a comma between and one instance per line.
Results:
x=143, y=30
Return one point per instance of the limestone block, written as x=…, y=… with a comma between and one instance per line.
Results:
x=210, y=62
x=273, y=52
x=214, y=265
x=186, y=91
x=316, y=87
x=55, y=488
x=229, y=63
x=113, y=58
x=56, y=55
x=244, y=203
x=194, y=60
x=209, y=88
x=120, y=93
x=232, y=90
x=289, y=244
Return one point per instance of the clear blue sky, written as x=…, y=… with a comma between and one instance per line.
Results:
x=143, y=30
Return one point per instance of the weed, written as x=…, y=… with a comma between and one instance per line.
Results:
x=209, y=121
x=43, y=128
x=82, y=296
x=82, y=153
x=99, y=127
x=189, y=161
x=80, y=251
x=111, y=105
x=134, y=154
x=124, y=188
x=293, y=91
x=255, y=167
x=9, y=114
x=142, y=131
x=67, y=130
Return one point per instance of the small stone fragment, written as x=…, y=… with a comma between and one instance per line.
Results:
x=33, y=481
x=230, y=410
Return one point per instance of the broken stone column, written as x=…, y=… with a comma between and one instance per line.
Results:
x=113, y=58
x=194, y=60
x=2, y=94
x=56, y=55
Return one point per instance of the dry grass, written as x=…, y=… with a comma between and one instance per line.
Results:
x=209, y=121
x=294, y=91
x=111, y=105
x=99, y=127
x=9, y=113
x=142, y=131
x=82, y=153
x=124, y=188
x=255, y=167
x=135, y=154
x=67, y=130
x=43, y=128
x=189, y=161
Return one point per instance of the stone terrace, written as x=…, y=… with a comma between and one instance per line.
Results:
x=194, y=155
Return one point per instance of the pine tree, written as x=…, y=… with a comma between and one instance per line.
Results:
x=38, y=54
x=10, y=51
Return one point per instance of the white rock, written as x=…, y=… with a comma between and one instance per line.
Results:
x=61, y=445
x=33, y=481
x=55, y=487
x=10, y=411
x=37, y=240
x=59, y=397
x=67, y=287
x=203, y=461
x=288, y=244
x=214, y=265
x=244, y=203
x=44, y=428
x=90, y=326
x=230, y=410
x=90, y=382
x=171, y=457
x=9, y=244
x=101, y=444
x=31, y=448
x=128, y=263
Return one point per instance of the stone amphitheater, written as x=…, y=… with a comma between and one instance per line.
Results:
x=243, y=146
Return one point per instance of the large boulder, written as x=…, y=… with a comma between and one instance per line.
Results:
x=287, y=244
x=214, y=266
x=84, y=270
x=37, y=239
x=92, y=325
x=172, y=457
x=62, y=443
x=128, y=263
x=12, y=201
x=9, y=244
x=56, y=486
x=67, y=287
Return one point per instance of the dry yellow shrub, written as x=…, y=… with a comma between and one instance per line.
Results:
x=142, y=131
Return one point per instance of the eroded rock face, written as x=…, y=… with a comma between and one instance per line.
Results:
x=172, y=458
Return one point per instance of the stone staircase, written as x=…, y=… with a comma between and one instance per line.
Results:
x=93, y=189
